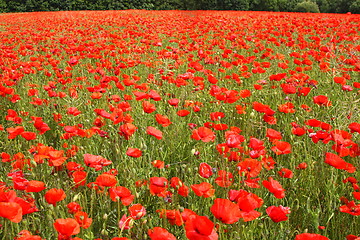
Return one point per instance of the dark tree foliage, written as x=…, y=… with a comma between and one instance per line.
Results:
x=335, y=6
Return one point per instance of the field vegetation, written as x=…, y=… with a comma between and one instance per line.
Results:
x=179, y=125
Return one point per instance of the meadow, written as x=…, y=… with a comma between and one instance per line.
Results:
x=199, y=125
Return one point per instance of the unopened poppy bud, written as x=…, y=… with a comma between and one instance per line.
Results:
x=33, y=163
x=105, y=216
x=131, y=222
x=104, y=232
x=76, y=197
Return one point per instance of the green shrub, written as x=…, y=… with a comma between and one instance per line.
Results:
x=307, y=6
x=355, y=7
x=3, y=6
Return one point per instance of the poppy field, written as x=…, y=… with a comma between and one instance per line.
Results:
x=199, y=125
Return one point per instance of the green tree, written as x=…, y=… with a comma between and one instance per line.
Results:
x=3, y=6
x=242, y=5
x=341, y=6
x=307, y=6
x=324, y=5
x=16, y=6
x=264, y=5
x=355, y=7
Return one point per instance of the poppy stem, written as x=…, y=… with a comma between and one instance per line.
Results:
x=4, y=229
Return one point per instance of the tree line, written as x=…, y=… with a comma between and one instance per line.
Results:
x=325, y=6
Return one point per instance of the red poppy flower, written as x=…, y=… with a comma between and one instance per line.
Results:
x=154, y=95
x=56, y=158
x=95, y=161
x=200, y=228
x=158, y=233
x=79, y=178
x=233, y=140
x=26, y=235
x=302, y=165
x=259, y=107
x=247, y=203
x=303, y=91
x=54, y=195
x=28, y=135
x=154, y=132
x=322, y=100
x=281, y=147
x=274, y=187
x=35, y=186
x=187, y=213
x=221, y=127
x=73, y=207
x=285, y=173
x=137, y=211
x=337, y=162
x=351, y=208
x=225, y=179
x=127, y=130
x=106, y=180
x=256, y=144
x=354, y=127
x=162, y=120
x=240, y=109
x=13, y=116
x=11, y=211
x=174, y=102
x=216, y=116
x=313, y=123
x=141, y=95
x=67, y=227
x=134, y=152
x=273, y=134
x=250, y=167
x=298, y=131
x=310, y=236
x=40, y=125
x=278, y=214
x=183, y=113
x=173, y=216
x=245, y=93
x=352, y=237
x=14, y=132
x=340, y=80
x=125, y=222
x=73, y=111
x=204, y=134
x=205, y=170
x=27, y=205
x=121, y=193
x=83, y=219
x=148, y=107
x=270, y=119
x=158, y=186
x=203, y=189
x=225, y=210
x=175, y=182
x=158, y=164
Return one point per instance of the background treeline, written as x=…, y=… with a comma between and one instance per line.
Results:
x=329, y=6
